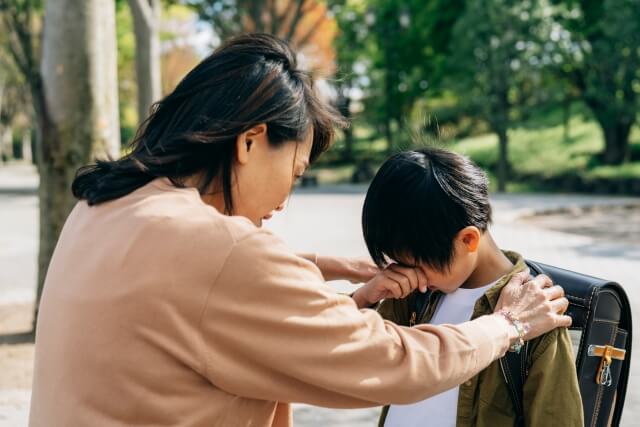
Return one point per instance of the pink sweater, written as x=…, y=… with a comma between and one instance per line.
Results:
x=160, y=311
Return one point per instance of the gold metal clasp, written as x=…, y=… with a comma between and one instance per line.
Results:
x=412, y=321
x=607, y=353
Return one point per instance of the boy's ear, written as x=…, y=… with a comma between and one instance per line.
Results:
x=470, y=237
x=247, y=140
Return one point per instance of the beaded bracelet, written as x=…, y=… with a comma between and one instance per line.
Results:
x=520, y=328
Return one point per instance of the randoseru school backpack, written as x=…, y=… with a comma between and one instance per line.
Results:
x=601, y=334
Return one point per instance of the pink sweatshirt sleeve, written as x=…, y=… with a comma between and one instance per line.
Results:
x=273, y=330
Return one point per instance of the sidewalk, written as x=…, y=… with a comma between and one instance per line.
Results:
x=18, y=178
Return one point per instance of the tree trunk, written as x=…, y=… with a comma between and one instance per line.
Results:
x=388, y=132
x=27, y=155
x=344, y=104
x=6, y=143
x=616, y=142
x=2, y=86
x=77, y=110
x=348, y=143
x=388, y=82
x=566, y=118
x=503, y=159
x=616, y=127
x=146, y=20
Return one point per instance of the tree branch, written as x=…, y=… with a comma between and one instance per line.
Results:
x=255, y=9
x=285, y=16
x=15, y=44
x=273, y=11
x=312, y=30
x=223, y=28
x=144, y=9
x=296, y=18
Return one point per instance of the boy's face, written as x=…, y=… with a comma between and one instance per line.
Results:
x=463, y=263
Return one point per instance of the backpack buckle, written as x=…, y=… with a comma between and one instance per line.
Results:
x=607, y=353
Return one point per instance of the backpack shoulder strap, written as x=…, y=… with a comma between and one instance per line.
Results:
x=515, y=372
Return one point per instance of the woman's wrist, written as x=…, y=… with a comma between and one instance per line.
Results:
x=313, y=257
x=360, y=299
x=520, y=329
x=355, y=270
x=512, y=332
x=330, y=267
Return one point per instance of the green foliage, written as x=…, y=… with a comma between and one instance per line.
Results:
x=462, y=68
x=605, y=66
x=394, y=51
x=538, y=148
x=544, y=152
x=492, y=66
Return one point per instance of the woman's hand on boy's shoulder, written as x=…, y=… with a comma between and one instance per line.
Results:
x=394, y=281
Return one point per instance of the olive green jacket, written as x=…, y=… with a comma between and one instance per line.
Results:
x=551, y=393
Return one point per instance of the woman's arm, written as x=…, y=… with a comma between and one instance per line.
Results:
x=273, y=330
x=355, y=270
x=392, y=282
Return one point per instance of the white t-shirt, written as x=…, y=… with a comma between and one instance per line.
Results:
x=440, y=410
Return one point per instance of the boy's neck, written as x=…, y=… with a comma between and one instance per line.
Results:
x=491, y=264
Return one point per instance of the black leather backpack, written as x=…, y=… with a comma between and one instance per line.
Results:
x=602, y=319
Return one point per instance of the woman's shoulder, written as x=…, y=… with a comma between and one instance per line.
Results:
x=193, y=231
x=165, y=219
x=181, y=210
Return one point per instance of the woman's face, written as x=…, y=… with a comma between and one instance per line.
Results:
x=264, y=175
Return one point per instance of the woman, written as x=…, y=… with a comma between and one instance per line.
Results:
x=166, y=304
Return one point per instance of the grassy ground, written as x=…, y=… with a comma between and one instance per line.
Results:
x=539, y=147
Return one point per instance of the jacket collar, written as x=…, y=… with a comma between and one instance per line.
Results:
x=492, y=295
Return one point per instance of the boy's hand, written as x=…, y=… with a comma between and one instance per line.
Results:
x=393, y=282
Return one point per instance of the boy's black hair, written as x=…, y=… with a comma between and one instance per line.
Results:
x=418, y=202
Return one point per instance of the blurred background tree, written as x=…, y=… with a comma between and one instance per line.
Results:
x=455, y=71
x=491, y=70
x=20, y=81
x=303, y=23
x=72, y=81
x=606, y=35
x=146, y=25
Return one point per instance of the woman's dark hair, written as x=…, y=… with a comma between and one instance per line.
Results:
x=419, y=201
x=249, y=80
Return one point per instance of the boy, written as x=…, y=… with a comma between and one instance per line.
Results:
x=430, y=209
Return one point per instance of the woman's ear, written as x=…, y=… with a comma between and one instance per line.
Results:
x=247, y=140
x=470, y=238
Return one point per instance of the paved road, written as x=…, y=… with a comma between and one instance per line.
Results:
x=327, y=221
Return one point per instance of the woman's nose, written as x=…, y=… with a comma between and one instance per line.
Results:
x=280, y=207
